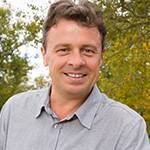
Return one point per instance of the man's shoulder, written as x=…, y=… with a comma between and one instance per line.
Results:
x=30, y=93
x=120, y=112
x=26, y=99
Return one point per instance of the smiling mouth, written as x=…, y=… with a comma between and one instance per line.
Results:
x=75, y=75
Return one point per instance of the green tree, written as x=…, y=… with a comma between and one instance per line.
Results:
x=15, y=33
x=125, y=74
x=41, y=81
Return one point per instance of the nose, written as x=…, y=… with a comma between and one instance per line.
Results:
x=76, y=60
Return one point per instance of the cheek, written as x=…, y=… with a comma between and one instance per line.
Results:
x=51, y=65
x=94, y=69
x=55, y=66
x=94, y=65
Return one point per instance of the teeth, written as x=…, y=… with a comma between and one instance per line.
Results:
x=75, y=75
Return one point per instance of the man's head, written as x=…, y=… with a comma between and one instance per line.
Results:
x=84, y=13
x=72, y=47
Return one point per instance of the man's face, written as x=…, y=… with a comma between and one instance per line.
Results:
x=73, y=55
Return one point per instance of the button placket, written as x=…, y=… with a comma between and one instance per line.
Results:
x=56, y=125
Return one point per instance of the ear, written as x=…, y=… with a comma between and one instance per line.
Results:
x=43, y=51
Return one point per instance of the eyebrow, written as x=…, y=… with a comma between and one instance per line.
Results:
x=62, y=45
x=91, y=46
x=68, y=45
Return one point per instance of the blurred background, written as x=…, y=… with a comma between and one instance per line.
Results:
x=125, y=73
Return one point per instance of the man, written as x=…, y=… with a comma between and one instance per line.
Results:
x=72, y=114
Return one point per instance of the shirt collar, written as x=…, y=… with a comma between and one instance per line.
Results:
x=43, y=101
x=88, y=110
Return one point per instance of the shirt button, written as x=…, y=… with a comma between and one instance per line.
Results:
x=55, y=126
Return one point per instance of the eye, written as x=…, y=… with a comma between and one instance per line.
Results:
x=88, y=51
x=62, y=51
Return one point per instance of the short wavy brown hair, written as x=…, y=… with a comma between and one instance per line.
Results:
x=85, y=13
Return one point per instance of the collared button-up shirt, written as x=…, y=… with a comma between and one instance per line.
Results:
x=27, y=123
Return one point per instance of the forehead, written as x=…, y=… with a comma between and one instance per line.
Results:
x=73, y=34
x=64, y=25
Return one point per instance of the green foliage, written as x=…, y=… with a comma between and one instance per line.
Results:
x=41, y=81
x=13, y=67
x=125, y=74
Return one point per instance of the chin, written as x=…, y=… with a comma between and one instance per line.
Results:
x=78, y=90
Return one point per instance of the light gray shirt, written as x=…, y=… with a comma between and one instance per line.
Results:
x=27, y=123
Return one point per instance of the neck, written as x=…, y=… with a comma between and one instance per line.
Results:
x=64, y=105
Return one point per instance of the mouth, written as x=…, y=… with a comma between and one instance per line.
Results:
x=75, y=75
